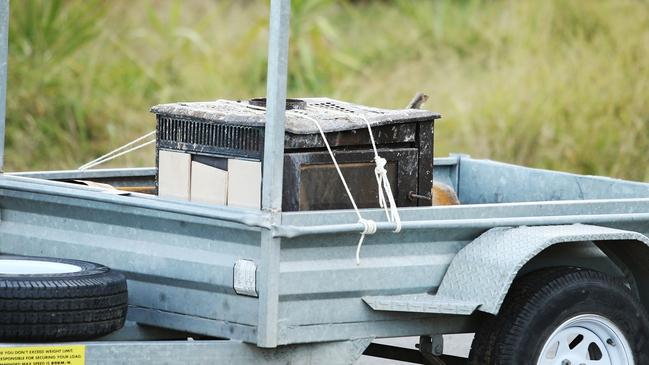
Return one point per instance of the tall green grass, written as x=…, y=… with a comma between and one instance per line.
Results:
x=555, y=84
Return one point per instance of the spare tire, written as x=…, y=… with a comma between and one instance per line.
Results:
x=43, y=299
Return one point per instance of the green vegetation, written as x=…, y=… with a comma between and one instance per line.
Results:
x=554, y=84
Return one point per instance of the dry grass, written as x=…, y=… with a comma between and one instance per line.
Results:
x=556, y=84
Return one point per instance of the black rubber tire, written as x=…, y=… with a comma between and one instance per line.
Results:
x=71, y=306
x=539, y=302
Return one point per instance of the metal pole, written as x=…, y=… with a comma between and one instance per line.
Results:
x=280, y=11
x=4, y=52
x=290, y=231
x=268, y=273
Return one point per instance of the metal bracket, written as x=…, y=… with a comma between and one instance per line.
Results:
x=245, y=278
x=431, y=347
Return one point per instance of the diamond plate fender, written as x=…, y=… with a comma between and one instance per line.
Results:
x=480, y=274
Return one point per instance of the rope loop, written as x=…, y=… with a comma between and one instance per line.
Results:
x=369, y=227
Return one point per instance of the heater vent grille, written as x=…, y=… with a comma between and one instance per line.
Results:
x=209, y=137
x=336, y=106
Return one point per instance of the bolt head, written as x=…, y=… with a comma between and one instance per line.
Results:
x=610, y=342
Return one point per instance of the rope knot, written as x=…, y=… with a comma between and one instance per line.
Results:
x=386, y=198
x=380, y=165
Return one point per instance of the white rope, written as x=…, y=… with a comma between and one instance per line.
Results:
x=385, y=190
x=380, y=173
x=386, y=198
x=369, y=226
x=333, y=158
x=114, y=153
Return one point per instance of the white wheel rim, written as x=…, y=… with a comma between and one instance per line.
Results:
x=35, y=267
x=584, y=340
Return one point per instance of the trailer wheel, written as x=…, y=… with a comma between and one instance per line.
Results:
x=55, y=299
x=565, y=316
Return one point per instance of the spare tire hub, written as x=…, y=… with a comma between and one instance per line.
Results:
x=33, y=267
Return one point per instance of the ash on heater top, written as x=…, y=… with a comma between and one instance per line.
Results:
x=333, y=115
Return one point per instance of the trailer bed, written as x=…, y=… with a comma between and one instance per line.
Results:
x=179, y=256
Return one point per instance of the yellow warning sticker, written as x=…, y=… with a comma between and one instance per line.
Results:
x=43, y=355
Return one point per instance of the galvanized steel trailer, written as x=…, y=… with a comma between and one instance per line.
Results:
x=445, y=272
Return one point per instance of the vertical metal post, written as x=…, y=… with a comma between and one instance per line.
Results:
x=273, y=166
x=4, y=53
x=280, y=11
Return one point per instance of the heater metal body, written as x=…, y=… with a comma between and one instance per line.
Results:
x=216, y=132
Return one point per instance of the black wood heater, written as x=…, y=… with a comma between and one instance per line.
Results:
x=212, y=152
